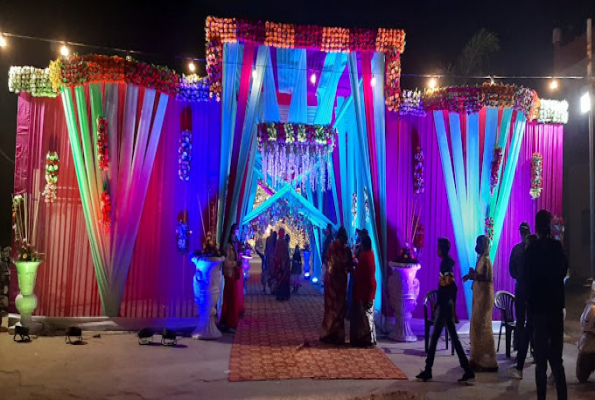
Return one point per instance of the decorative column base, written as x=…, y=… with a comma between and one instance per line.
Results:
x=207, y=286
x=403, y=289
x=26, y=301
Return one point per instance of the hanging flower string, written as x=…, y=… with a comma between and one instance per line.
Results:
x=185, y=154
x=182, y=236
x=536, y=175
x=418, y=171
x=52, y=164
x=489, y=228
x=553, y=111
x=354, y=209
x=367, y=205
x=411, y=103
x=102, y=148
x=106, y=208
x=495, y=170
x=289, y=150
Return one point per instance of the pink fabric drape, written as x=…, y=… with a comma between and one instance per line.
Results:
x=403, y=134
x=160, y=279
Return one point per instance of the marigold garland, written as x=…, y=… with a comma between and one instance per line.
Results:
x=495, y=170
x=77, y=70
x=52, y=165
x=329, y=39
x=536, y=175
x=102, y=147
x=185, y=154
x=470, y=100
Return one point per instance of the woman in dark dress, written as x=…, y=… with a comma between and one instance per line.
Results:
x=296, y=269
x=283, y=266
x=362, y=332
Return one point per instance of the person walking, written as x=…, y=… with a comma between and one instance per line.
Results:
x=515, y=267
x=545, y=269
x=296, y=268
x=444, y=317
x=282, y=266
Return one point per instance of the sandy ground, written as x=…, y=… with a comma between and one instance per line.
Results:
x=115, y=367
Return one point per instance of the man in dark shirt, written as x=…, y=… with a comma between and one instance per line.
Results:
x=444, y=316
x=545, y=269
x=515, y=267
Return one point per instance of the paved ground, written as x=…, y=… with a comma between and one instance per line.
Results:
x=114, y=367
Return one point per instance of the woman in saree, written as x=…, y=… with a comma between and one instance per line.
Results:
x=296, y=269
x=483, y=350
x=283, y=267
x=362, y=331
x=231, y=273
x=339, y=262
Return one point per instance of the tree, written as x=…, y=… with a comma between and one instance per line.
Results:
x=475, y=55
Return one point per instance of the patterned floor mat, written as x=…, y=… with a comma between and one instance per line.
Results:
x=279, y=340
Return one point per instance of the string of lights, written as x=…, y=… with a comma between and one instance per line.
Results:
x=432, y=78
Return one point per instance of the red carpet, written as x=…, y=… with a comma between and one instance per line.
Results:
x=279, y=340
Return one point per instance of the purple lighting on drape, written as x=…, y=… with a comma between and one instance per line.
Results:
x=405, y=132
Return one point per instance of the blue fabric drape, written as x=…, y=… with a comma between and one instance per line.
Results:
x=298, y=109
x=271, y=105
x=232, y=53
x=334, y=65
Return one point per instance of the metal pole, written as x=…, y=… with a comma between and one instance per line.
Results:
x=591, y=161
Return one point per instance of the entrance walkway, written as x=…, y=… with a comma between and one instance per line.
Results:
x=279, y=340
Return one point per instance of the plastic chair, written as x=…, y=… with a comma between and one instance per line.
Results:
x=505, y=302
x=430, y=316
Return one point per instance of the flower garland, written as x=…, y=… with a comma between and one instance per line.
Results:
x=536, y=175
x=411, y=103
x=489, y=228
x=182, y=236
x=106, y=208
x=35, y=81
x=472, y=99
x=289, y=150
x=102, y=148
x=495, y=170
x=193, y=88
x=553, y=111
x=328, y=39
x=78, y=70
x=366, y=205
x=185, y=154
x=418, y=171
x=52, y=164
x=354, y=209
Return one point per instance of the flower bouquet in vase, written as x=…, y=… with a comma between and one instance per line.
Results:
x=26, y=259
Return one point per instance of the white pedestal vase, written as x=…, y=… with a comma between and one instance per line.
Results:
x=26, y=301
x=403, y=290
x=207, y=287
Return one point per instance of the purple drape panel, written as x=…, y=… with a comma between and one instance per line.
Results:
x=402, y=134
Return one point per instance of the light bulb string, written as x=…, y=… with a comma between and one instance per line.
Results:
x=288, y=68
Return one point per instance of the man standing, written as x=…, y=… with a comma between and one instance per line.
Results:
x=585, y=362
x=545, y=269
x=515, y=267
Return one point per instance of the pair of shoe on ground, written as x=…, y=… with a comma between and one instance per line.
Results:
x=516, y=373
x=467, y=379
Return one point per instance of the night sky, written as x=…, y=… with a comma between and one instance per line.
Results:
x=436, y=33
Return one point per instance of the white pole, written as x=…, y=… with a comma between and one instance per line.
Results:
x=591, y=160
